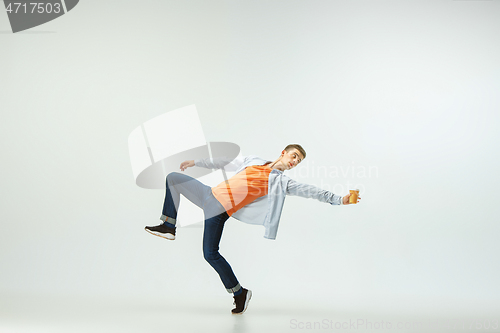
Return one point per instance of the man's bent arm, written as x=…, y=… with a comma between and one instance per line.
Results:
x=313, y=192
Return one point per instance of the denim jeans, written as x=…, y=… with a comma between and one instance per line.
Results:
x=215, y=217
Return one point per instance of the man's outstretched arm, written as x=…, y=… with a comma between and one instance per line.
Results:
x=313, y=192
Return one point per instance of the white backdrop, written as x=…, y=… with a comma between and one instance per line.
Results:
x=397, y=97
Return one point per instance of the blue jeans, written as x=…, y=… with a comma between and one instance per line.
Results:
x=215, y=217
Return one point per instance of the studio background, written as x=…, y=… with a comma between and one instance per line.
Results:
x=407, y=91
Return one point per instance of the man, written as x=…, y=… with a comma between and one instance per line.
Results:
x=255, y=194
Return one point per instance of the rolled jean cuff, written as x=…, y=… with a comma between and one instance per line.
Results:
x=167, y=219
x=234, y=289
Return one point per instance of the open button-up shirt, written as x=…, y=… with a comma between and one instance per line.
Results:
x=266, y=210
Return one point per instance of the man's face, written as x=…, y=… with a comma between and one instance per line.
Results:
x=291, y=158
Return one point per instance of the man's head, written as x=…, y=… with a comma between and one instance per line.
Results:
x=292, y=155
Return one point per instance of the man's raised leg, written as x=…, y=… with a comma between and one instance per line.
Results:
x=175, y=185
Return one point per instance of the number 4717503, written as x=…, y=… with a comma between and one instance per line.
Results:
x=33, y=7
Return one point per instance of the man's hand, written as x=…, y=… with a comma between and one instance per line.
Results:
x=186, y=164
x=345, y=200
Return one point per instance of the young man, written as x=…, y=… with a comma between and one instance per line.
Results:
x=255, y=194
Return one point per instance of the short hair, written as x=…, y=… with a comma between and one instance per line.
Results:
x=298, y=147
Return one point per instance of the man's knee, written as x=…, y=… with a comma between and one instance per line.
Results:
x=211, y=256
x=172, y=177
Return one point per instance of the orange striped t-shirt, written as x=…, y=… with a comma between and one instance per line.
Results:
x=243, y=188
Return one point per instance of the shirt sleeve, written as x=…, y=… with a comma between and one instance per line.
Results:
x=313, y=192
x=221, y=163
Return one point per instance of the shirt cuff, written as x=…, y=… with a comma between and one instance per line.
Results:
x=339, y=201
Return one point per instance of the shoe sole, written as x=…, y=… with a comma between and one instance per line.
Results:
x=166, y=236
x=249, y=296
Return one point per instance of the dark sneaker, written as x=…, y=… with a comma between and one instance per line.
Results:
x=241, y=301
x=162, y=231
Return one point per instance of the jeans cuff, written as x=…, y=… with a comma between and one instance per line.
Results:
x=234, y=289
x=167, y=219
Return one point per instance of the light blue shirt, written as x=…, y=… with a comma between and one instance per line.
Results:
x=266, y=210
